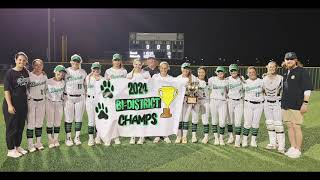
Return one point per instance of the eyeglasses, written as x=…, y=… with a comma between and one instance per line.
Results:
x=290, y=59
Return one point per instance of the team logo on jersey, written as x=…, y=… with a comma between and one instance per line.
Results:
x=102, y=111
x=107, y=88
x=293, y=76
x=22, y=81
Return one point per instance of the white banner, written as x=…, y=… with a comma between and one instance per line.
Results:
x=134, y=108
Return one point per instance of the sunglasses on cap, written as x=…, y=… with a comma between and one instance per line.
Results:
x=219, y=71
x=233, y=70
x=290, y=59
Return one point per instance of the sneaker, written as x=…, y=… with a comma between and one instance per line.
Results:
x=107, y=143
x=221, y=141
x=51, y=145
x=271, y=146
x=295, y=154
x=237, y=144
x=77, y=140
x=69, y=142
x=90, y=142
x=184, y=140
x=117, y=141
x=253, y=143
x=97, y=140
x=57, y=144
x=13, y=153
x=39, y=146
x=21, y=150
x=167, y=140
x=281, y=151
x=205, y=140
x=132, y=140
x=141, y=140
x=290, y=150
x=216, y=141
x=178, y=140
x=31, y=148
x=237, y=141
x=230, y=140
x=156, y=140
x=194, y=139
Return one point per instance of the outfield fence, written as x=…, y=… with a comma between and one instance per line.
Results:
x=175, y=70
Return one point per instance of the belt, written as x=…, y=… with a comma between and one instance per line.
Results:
x=54, y=101
x=273, y=101
x=254, y=102
x=236, y=99
x=36, y=99
x=90, y=96
x=73, y=95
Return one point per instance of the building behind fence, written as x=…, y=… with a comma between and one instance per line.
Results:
x=174, y=70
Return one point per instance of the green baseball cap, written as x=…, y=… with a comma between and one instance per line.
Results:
x=96, y=65
x=117, y=57
x=185, y=65
x=59, y=68
x=220, y=68
x=76, y=57
x=233, y=67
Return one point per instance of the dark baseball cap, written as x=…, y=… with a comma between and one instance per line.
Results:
x=290, y=55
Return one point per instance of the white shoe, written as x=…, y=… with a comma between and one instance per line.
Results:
x=97, y=140
x=282, y=151
x=184, y=140
x=253, y=143
x=230, y=140
x=290, y=150
x=90, y=142
x=205, y=140
x=31, y=148
x=39, y=146
x=216, y=141
x=77, y=140
x=221, y=141
x=194, y=139
x=107, y=144
x=13, y=153
x=271, y=146
x=156, y=140
x=178, y=140
x=21, y=150
x=237, y=141
x=57, y=144
x=117, y=141
x=295, y=154
x=141, y=140
x=167, y=140
x=69, y=142
x=132, y=140
x=51, y=145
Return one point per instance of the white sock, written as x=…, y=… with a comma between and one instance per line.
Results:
x=230, y=134
x=90, y=136
x=272, y=137
x=281, y=140
x=179, y=133
x=56, y=136
x=245, y=138
x=238, y=138
x=68, y=135
x=185, y=132
x=253, y=138
x=215, y=135
x=194, y=134
x=77, y=133
x=38, y=140
x=30, y=141
x=206, y=135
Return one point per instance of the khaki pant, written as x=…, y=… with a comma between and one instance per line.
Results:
x=292, y=116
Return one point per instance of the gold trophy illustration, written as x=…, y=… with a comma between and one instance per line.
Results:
x=167, y=95
x=192, y=88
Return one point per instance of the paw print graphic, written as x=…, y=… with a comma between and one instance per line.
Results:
x=102, y=111
x=107, y=88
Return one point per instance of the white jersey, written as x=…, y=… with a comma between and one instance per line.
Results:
x=253, y=90
x=142, y=75
x=218, y=88
x=272, y=87
x=158, y=76
x=113, y=73
x=75, y=81
x=93, y=85
x=55, y=89
x=193, y=78
x=235, y=88
x=203, y=91
x=37, y=86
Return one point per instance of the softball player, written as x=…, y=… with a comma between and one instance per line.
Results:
x=138, y=72
x=187, y=75
x=93, y=80
x=74, y=98
x=115, y=72
x=235, y=103
x=163, y=75
x=36, y=105
x=54, y=105
x=253, y=106
x=272, y=84
x=203, y=105
x=218, y=104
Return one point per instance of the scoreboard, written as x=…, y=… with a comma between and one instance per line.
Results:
x=159, y=45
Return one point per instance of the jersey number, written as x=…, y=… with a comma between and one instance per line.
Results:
x=79, y=86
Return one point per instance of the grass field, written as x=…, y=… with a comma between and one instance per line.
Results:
x=168, y=157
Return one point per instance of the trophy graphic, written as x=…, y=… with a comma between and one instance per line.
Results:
x=167, y=95
x=192, y=96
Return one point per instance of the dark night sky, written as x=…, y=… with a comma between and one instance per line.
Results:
x=243, y=34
